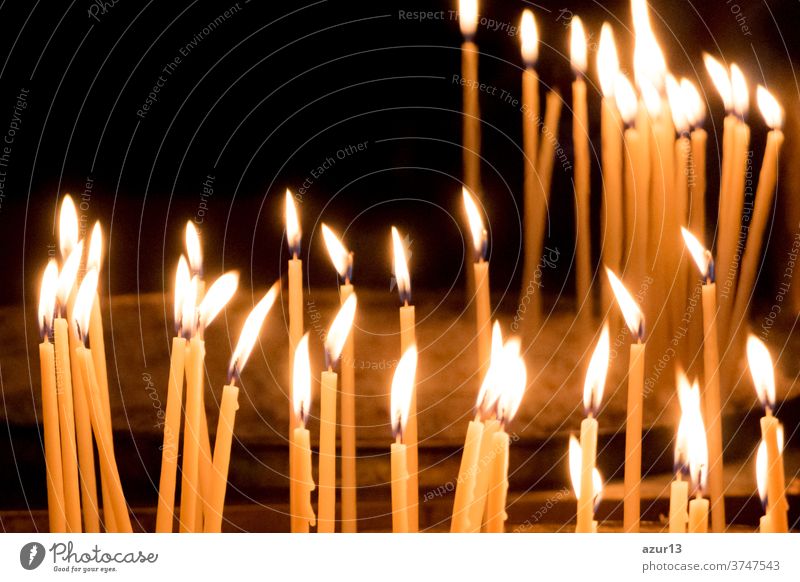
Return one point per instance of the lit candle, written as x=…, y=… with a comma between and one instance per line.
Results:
x=711, y=393
x=229, y=404
x=697, y=455
x=530, y=143
x=218, y=295
x=483, y=310
x=592, y=397
x=722, y=81
x=634, y=318
x=334, y=344
x=64, y=388
x=679, y=489
x=580, y=138
x=343, y=262
x=407, y=339
x=762, y=371
x=764, y=524
x=471, y=146
x=575, y=458
x=293, y=237
x=165, y=513
x=302, y=481
x=765, y=195
x=402, y=388
x=611, y=158
x=637, y=181
x=56, y=509
x=94, y=260
x=102, y=431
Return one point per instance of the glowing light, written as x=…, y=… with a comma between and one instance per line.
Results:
x=293, y=233
x=401, y=274
x=476, y=227
x=403, y=390
x=739, y=91
x=67, y=227
x=625, y=96
x=194, y=250
x=341, y=258
x=771, y=110
x=651, y=98
x=577, y=51
x=721, y=79
x=95, y=257
x=694, y=107
x=697, y=445
x=701, y=255
x=183, y=281
x=468, y=17
x=47, y=298
x=216, y=298
x=648, y=58
x=340, y=329
x=488, y=394
x=69, y=274
x=595, y=381
x=575, y=468
x=301, y=381
x=250, y=331
x=82, y=311
x=762, y=371
x=607, y=61
x=677, y=105
x=513, y=378
x=530, y=38
x=634, y=318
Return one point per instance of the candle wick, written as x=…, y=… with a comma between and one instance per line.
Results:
x=405, y=302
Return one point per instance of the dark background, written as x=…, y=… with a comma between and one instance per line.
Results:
x=279, y=87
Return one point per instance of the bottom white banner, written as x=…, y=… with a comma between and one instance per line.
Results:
x=386, y=557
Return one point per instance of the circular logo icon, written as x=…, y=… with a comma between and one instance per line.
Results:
x=31, y=555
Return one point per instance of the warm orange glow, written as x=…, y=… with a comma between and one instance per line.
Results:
x=770, y=109
x=739, y=91
x=83, y=305
x=189, y=316
x=217, y=297
x=250, y=331
x=677, y=105
x=607, y=61
x=69, y=274
x=634, y=318
x=488, y=393
x=340, y=329
x=595, y=381
x=95, y=257
x=194, y=250
x=47, y=298
x=761, y=472
x=183, y=281
x=762, y=371
x=341, y=258
x=475, y=225
x=689, y=399
x=701, y=255
x=293, y=234
x=721, y=79
x=513, y=378
x=402, y=390
x=468, y=17
x=301, y=381
x=649, y=63
x=577, y=45
x=530, y=38
x=401, y=274
x=625, y=96
x=651, y=98
x=575, y=466
x=697, y=445
x=695, y=108
x=67, y=227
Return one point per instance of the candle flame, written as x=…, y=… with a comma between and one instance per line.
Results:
x=476, y=227
x=301, y=381
x=293, y=234
x=607, y=61
x=694, y=108
x=67, y=227
x=689, y=400
x=770, y=109
x=47, y=298
x=648, y=58
x=468, y=17
x=189, y=316
x=634, y=318
x=700, y=254
x=183, y=281
x=577, y=51
x=514, y=378
x=194, y=250
x=217, y=296
x=403, y=390
x=575, y=469
x=739, y=91
x=340, y=329
x=762, y=371
x=761, y=472
x=721, y=79
x=697, y=445
x=595, y=381
x=341, y=258
x=95, y=257
x=651, y=98
x=69, y=274
x=250, y=331
x=625, y=96
x=401, y=274
x=677, y=105
x=83, y=305
x=487, y=395
x=529, y=38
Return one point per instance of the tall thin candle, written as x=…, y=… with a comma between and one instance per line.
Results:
x=302, y=481
x=471, y=129
x=402, y=388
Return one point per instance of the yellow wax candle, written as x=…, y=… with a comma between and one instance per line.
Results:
x=698, y=515
x=483, y=315
x=327, y=453
x=229, y=404
x=776, y=484
x=477, y=508
x=697, y=190
x=612, y=214
x=399, y=487
x=172, y=428
x=471, y=129
x=496, y=501
x=293, y=236
x=56, y=509
x=66, y=417
x=303, y=481
x=467, y=475
x=764, y=524
x=190, y=474
x=348, y=427
x=97, y=341
x=410, y=438
x=544, y=165
x=588, y=455
x=633, y=439
x=678, y=500
x=679, y=215
x=205, y=470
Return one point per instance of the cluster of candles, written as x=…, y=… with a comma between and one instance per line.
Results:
x=75, y=398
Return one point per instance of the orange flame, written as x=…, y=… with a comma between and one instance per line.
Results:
x=695, y=108
x=83, y=305
x=530, y=38
x=69, y=274
x=468, y=17
x=217, y=297
x=301, y=381
x=47, y=298
x=95, y=257
x=625, y=96
x=249, y=334
x=476, y=227
x=762, y=371
x=194, y=249
x=293, y=233
x=513, y=379
x=701, y=255
x=739, y=91
x=575, y=468
x=403, y=390
x=183, y=281
x=577, y=45
x=634, y=318
x=721, y=79
x=67, y=227
x=595, y=381
x=340, y=329
x=771, y=110
x=341, y=258
x=607, y=60
x=488, y=395
x=401, y=273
